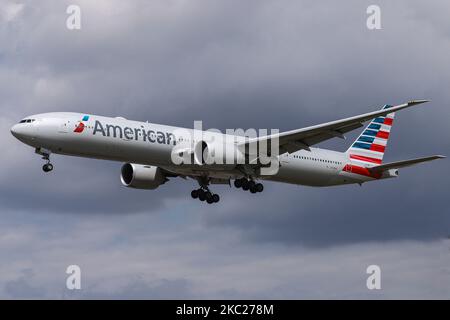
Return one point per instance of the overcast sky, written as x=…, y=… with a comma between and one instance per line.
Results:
x=248, y=64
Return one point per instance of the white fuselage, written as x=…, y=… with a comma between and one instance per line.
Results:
x=145, y=143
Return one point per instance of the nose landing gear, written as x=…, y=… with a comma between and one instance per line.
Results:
x=46, y=156
x=47, y=167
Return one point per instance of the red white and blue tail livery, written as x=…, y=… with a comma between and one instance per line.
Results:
x=368, y=150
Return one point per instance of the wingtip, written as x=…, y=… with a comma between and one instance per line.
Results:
x=414, y=102
x=439, y=156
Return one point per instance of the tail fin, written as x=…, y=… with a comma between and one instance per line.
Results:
x=370, y=146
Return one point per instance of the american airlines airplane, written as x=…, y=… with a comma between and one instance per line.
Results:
x=147, y=151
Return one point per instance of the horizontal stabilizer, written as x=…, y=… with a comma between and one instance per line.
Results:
x=404, y=163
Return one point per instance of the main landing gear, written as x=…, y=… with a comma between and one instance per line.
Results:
x=203, y=194
x=246, y=184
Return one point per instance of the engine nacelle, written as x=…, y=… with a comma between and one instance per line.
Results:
x=217, y=153
x=141, y=177
x=391, y=173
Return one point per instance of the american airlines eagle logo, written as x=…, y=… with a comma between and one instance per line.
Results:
x=80, y=126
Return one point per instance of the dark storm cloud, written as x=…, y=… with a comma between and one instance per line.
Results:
x=141, y=256
x=262, y=64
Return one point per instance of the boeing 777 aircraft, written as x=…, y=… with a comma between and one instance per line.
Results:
x=147, y=151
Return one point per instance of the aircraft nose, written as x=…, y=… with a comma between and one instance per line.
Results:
x=19, y=132
x=14, y=130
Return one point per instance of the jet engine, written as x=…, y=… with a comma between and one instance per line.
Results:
x=141, y=176
x=206, y=153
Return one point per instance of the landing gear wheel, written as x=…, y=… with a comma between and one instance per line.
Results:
x=251, y=184
x=238, y=183
x=209, y=197
x=47, y=167
x=194, y=194
x=245, y=185
x=201, y=195
x=259, y=187
x=253, y=189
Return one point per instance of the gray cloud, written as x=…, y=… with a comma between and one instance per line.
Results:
x=141, y=256
x=231, y=64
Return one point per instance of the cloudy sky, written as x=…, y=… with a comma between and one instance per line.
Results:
x=248, y=64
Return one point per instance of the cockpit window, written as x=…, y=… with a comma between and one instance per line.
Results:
x=27, y=121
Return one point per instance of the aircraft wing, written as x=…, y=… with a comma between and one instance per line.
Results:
x=404, y=163
x=294, y=140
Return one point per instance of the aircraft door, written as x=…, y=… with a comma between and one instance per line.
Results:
x=284, y=159
x=64, y=127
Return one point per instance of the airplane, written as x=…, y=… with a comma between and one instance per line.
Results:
x=147, y=149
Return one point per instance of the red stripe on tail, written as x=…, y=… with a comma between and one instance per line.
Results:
x=367, y=159
x=388, y=121
x=383, y=134
x=377, y=147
